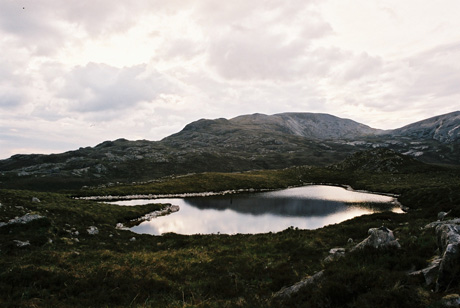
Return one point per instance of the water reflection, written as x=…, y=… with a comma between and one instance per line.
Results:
x=308, y=207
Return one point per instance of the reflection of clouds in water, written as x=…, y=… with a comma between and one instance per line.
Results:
x=308, y=207
x=331, y=193
x=190, y=220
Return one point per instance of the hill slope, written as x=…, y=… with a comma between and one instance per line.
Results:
x=243, y=143
x=444, y=128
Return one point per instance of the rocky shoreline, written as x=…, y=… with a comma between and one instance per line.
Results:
x=169, y=209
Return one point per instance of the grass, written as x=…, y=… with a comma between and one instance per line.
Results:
x=67, y=267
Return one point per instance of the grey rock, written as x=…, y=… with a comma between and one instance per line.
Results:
x=379, y=238
x=21, y=243
x=92, y=230
x=434, y=224
x=430, y=273
x=22, y=220
x=287, y=292
x=448, y=239
x=35, y=200
x=334, y=255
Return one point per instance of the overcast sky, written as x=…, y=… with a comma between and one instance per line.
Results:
x=76, y=73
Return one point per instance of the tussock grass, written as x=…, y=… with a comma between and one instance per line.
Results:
x=63, y=268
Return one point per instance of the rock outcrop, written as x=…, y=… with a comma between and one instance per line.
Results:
x=22, y=220
x=379, y=238
x=287, y=292
x=334, y=255
x=444, y=268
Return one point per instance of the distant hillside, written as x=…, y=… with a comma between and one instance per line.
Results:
x=309, y=125
x=444, y=128
x=378, y=161
x=243, y=143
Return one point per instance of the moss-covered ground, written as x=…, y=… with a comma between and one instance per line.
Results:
x=65, y=266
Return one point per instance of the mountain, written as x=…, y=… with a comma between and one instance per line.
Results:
x=444, y=128
x=246, y=142
x=308, y=125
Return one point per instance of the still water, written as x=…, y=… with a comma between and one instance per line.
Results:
x=307, y=207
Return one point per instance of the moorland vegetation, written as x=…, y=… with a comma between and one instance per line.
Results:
x=72, y=255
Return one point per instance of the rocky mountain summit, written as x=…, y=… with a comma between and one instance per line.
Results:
x=246, y=142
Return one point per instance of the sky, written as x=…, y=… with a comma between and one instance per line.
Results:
x=76, y=73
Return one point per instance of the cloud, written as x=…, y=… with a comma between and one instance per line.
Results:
x=271, y=42
x=436, y=72
x=99, y=87
x=96, y=70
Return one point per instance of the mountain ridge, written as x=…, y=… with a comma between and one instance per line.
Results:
x=246, y=142
x=444, y=128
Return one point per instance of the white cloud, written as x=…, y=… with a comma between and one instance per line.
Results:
x=77, y=73
x=100, y=87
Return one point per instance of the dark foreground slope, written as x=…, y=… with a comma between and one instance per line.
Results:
x=65, y=266
x=250, y=142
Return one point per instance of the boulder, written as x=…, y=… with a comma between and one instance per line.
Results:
x=379, y=238
x=335, y=254
x=287, y=292
x=448, y=239
x=92, y=230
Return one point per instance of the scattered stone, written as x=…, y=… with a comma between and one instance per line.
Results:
x=22, y=220
x=379, y=238
x=92, y=230
x=21, y=243
x=350, y=241
x=133, y=239
x=120, y=226
x=451, y=300
x=35, y=200
x=287, y=292
x=334, y=255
